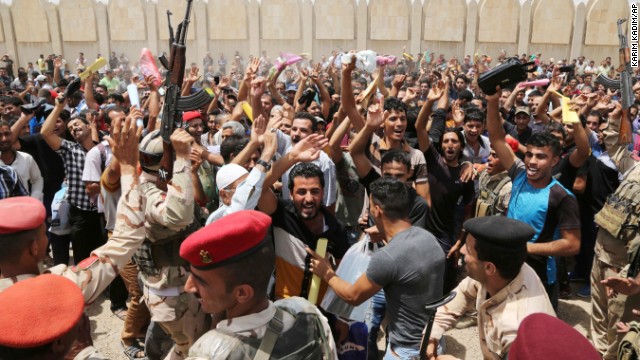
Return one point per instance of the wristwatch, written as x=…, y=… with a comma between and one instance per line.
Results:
x=266, y=165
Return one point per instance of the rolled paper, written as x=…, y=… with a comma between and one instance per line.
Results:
x=134, y=98
x=541, y=82
x=568, y=116
x=321, y=249
x=407, y=56
x=247, y=110
x=148, y=66
x=99, y=63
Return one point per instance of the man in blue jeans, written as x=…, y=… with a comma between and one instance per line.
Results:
x=410, y=269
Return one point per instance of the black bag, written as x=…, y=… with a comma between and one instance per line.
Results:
x=508, y=74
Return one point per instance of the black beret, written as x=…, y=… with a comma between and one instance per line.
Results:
x=500, y=233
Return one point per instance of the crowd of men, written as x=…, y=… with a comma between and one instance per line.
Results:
x=502, y=198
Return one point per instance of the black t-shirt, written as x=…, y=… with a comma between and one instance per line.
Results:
x=49, y=163
x=446, y=189
x=565, y=172
x=602, y=180
x=419, y=212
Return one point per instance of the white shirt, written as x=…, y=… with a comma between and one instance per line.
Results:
x=245, y=197
x=29, y=173
x=93, y=171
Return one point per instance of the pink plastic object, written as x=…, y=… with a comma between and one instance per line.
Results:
x=148, y=66
x=287, y=59
x=541, y=82
x=386, y=60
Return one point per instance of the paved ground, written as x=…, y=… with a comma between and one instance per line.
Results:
x=462, y=343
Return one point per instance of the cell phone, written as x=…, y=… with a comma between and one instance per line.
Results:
x=216, y=80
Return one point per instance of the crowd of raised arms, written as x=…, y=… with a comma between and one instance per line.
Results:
x=312, y=200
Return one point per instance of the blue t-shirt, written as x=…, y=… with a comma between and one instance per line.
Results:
x=547, y=210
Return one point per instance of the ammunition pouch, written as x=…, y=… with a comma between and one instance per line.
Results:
x=620, y=215
x=151, y=257
x=630, y=344
x=488, y=198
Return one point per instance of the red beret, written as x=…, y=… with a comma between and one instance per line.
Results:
x=542, y=336
x=39, y=310
x=20, y=213
x=226, y=240
x=190, y=115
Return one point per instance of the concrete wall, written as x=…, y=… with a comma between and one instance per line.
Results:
x=555, y=28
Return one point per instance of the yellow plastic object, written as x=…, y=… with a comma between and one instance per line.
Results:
x=407, y=56
x=247, y=110
x=99, y=63
x=321, y=249
x=568, y=116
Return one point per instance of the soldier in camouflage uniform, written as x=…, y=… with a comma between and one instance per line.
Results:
x=494, y=189
x=615, y=238
x=23, y=243
x=169, y=218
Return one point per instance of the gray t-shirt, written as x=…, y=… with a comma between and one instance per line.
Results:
x=411, y=271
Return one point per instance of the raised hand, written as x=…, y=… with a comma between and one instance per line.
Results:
x=375, y=116
x=193, y=74
x=196, y=159
x=258, y=129
x=315, y=73
x=457, y=113
x=436, y=92
x=348, y=68
x=253, y=66
x=123, y=141
x=181, y=141
x=224, y=82
x=398, y=81
x=258, y=86
x=151, y=82
x=309, y=148
x=410, y=95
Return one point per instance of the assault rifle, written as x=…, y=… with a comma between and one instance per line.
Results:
x=624, y=84
x=174, y=104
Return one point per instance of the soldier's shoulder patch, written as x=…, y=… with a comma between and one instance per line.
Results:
x=86, y=263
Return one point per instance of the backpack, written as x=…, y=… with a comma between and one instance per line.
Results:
x=305, y=340
x=488, y=197
x=630, y=344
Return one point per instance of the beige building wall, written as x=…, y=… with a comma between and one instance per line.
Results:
x=444, y=26
x=228, y=23
x=128, y=28
x=335, y=26
x=498, y=26
x=555, y=28
x=601, y=34
x=551, y=33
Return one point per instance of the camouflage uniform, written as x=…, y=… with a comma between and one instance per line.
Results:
x=96, y=272
x=494, y=193
x=611, y=257
x=225, y=342
x=167, y=216
x=499, y=316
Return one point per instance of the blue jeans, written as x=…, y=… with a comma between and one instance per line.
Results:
x=373, y=319
x=396, y=352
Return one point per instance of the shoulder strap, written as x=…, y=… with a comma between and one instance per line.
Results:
x=274, y=329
